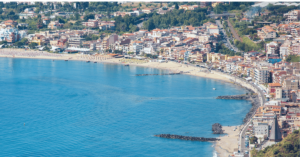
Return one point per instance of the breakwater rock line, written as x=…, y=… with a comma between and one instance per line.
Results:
x=188, y=138
x=217, y=128
x=237, y=97
x=158, y=74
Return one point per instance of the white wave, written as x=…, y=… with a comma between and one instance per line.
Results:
x=215, y=154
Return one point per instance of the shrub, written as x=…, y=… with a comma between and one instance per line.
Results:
x=275, y=151
x=288, y=146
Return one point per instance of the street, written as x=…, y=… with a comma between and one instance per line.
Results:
x=227, y=42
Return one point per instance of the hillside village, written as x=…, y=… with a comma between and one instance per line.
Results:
x=274, y=68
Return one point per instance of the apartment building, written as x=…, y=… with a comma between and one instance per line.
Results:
x=272, y=48
x=293, y=15
x=91, y=23
x=136, y=47
x=107, y=41
x=75, y=41
x=261, y=130
x=266, y=32
x=10, y=35
x=261, y=75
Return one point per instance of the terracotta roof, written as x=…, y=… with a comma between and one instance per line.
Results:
x=274, y=85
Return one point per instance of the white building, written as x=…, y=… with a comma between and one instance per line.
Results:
x=261, y=130
x=261, y=75
x=10, y=35
x=136, y=47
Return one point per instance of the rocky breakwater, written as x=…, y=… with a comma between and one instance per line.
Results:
x=237, y=97
x=250, y=97
x=217, y=128
x=188, y=138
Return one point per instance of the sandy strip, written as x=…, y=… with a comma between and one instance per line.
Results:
x=171, y=66
x=228, y=142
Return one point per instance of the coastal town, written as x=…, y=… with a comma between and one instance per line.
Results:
x=254, y=48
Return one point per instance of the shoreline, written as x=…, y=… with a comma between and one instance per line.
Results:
x=227, y=142
x=171, y=66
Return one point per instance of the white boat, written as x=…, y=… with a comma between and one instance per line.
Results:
x=214, y=88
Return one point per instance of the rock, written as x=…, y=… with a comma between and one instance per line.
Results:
x=217, y=128
x=186, y=137
x=237, y=97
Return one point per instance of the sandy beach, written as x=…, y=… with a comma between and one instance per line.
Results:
x=171, y=66
x=225, y=147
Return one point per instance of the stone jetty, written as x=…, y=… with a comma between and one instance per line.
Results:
x=250, y=97
x=188, y=138
x=158, y=74
x=237, y=97
x=217, y=128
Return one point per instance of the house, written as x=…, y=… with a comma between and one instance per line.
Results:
x=46, y=21
x=55, y=25
x=10, y=23
x=147, y=10
x=245, y=20
x=39, y=39
x=91, y=23
x=276, y=89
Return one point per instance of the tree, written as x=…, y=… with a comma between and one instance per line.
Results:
x=176, y=6
x=89, y=16
x=253, y=140
x=77, y=16
x=32, y=45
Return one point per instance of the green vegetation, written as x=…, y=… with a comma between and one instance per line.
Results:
x=22, y=42
x=32, y=45
x=293, y=58
x=280, y=9
x=288, y=147
x=253, y=140
x=91, y=37
x=177, y=18
x=220, y=8
x=224, y=50
x=248, y=45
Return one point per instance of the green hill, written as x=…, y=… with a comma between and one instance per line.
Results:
x=288, y=147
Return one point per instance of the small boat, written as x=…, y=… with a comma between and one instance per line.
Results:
x=214, y=88
x=87, y=61
x=126, y=64
x=66, y=60
x=95, y=62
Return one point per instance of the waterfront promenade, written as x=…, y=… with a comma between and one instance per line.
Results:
x=262, y=100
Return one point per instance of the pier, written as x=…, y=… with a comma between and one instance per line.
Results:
x=188, y=138
x=157, y=74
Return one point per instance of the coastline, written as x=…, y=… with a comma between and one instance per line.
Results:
x=228, y=142
x=171, y=66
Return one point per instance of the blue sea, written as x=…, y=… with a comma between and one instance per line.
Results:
x=74, y=108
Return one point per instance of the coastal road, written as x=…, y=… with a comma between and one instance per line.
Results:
x=242, y=147
x=227, y=44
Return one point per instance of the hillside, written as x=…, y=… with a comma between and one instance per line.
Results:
x=288, y=147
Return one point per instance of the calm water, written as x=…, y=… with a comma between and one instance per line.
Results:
x=86, y=109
